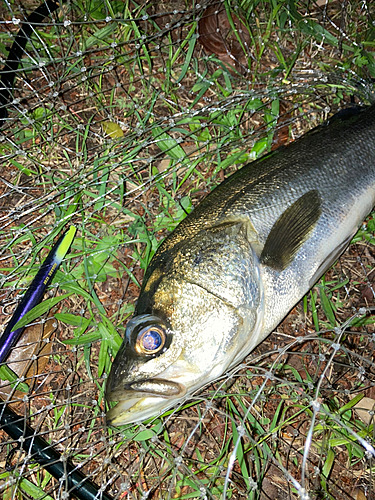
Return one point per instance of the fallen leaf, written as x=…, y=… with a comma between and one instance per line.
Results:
x=112, y=129
x=30, y=355
x=218, y=37
x=363, y=408
x=359, y=495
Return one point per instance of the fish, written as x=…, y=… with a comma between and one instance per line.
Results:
x=230, y=272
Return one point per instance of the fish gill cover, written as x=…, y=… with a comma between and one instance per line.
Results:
x=118, y=117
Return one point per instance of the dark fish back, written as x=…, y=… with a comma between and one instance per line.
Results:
x=336, y=158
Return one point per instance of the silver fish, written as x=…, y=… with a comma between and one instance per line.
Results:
x=231, y=271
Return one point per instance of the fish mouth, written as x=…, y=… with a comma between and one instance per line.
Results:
x=139, y=400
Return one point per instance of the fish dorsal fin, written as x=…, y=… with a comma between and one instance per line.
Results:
x=291, y=230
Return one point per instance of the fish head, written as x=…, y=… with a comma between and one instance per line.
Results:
x=198, y=322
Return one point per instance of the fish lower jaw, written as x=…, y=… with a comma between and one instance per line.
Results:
x=134, y=411
x=140, y=400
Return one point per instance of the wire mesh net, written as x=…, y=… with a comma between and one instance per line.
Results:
x=119, y=117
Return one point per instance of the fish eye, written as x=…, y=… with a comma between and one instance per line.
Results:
x=150, y=340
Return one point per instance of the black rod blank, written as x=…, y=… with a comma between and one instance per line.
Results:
x=76, y=483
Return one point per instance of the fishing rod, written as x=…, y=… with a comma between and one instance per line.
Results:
x=76, y=483
x=41, y=451
x=16, y=51
x=35, y=292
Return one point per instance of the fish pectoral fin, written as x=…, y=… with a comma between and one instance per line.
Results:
x=291, y=230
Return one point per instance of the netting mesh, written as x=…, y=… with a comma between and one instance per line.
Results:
x=119, y=117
